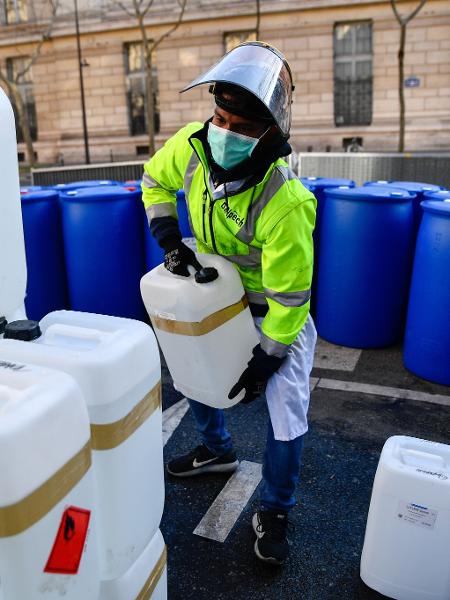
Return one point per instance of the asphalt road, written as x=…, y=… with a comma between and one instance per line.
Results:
x=341, y=452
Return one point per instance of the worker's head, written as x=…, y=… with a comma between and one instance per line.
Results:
x=252, y=87
x=239, y=124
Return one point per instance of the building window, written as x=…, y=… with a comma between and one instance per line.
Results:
x=15, y=11
x=234, y=38
x=17, y=72
x=136, y=89
x=353, y=73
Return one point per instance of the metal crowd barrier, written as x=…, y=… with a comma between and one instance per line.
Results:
x=120, y=171
x=365, y=166
x=359, y=166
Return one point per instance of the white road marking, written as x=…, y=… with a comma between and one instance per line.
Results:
x=223, y=513
x=171, y=418
x=338, y=358
x=313, y=381
x=381, y=390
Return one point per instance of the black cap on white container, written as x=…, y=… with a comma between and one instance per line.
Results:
x=23, y=330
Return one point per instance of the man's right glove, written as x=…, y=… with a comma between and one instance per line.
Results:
x=178, y=256
x=254, y=379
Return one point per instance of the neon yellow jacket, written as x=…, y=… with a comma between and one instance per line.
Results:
x=265, y=230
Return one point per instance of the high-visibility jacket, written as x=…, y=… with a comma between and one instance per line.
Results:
x=265, y=229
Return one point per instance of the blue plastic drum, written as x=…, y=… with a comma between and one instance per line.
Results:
x=417, y=188
x=318, y=185
x=153, y=252
x=426, y=350
x=31, y=188
x=104, y=249
x=364, y=266
x=46, y=277
x=78, y=185
x=440, y=195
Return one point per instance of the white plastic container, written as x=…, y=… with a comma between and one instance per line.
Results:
x=116, y=363
x=46, y=478
x=13, y=274
x=406, y=548
x=205, y=330
x=146, y=578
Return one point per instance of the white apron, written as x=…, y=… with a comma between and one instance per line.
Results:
x=287, y=391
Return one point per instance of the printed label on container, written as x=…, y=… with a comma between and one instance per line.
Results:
x=415, y=514
x=68, y=547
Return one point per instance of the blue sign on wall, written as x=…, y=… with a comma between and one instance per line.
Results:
x=412, y=82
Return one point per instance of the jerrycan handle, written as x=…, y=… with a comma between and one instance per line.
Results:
x=206, y=274
x=416, y=458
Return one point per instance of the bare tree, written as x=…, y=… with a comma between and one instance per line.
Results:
x=258, y=18
x=139, y=10
x=403, y=22
x=12, y=81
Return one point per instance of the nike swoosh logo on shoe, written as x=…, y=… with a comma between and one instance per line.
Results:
x=197, y=464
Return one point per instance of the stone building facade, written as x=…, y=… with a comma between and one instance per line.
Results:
x=343, y=55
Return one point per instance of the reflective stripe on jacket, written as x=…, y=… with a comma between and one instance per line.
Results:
x=265, y=230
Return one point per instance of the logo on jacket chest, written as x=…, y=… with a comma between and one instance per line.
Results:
x=231, y=214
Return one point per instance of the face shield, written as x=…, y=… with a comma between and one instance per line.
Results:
x=262, y=71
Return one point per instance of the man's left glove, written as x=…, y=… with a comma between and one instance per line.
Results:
x=177, y=256
x=254, y=379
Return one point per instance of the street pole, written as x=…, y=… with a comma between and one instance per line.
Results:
x=83, y=104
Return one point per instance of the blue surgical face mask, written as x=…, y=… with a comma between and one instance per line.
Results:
x=228, y=148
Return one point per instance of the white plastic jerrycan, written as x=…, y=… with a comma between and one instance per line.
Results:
x=406, y=548
x=116, y=363
x=48, y=509
x=13, y=274
x=145, y=579
x=204, y=327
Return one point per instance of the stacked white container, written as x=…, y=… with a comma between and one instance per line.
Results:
x=13, y=273
x=48, y=540
x=405, y=554
x=116, y=363
x=204, y=326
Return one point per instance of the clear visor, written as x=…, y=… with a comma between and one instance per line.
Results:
x=262, y=72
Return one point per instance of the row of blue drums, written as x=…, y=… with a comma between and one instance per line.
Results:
x=382, y=260
x=87, y=246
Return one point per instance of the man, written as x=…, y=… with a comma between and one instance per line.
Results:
x=246, y=205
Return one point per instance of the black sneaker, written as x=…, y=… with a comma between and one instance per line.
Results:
x=271, y=543
x=201, y=460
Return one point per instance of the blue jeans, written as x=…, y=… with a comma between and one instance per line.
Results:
x=281, y=464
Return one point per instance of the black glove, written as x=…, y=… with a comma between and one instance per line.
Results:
x=254, y=379
x=178, y=256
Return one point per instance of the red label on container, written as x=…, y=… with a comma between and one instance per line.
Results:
x=68, y=547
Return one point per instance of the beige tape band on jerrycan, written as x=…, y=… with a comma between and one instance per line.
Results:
x=406, y=547
x=116, y=363
x=48, y=512
x=13, y=272
x=205, y=329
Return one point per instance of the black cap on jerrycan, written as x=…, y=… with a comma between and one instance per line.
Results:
x=3, y=323
x=23, y=330
x=206, y=274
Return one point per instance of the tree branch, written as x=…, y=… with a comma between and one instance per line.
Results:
x=415, y=11
x=182, y=5
x=406, y=20
x=122, y=6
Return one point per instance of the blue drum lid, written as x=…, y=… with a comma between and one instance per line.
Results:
x=415, y=186
x=384, y=185
x=369, y=193
x=27, y=189
x=39, y=196
x=440, y=195
x=101, y=193
x=436, y=206
x=64, y=187
x=326, y=182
